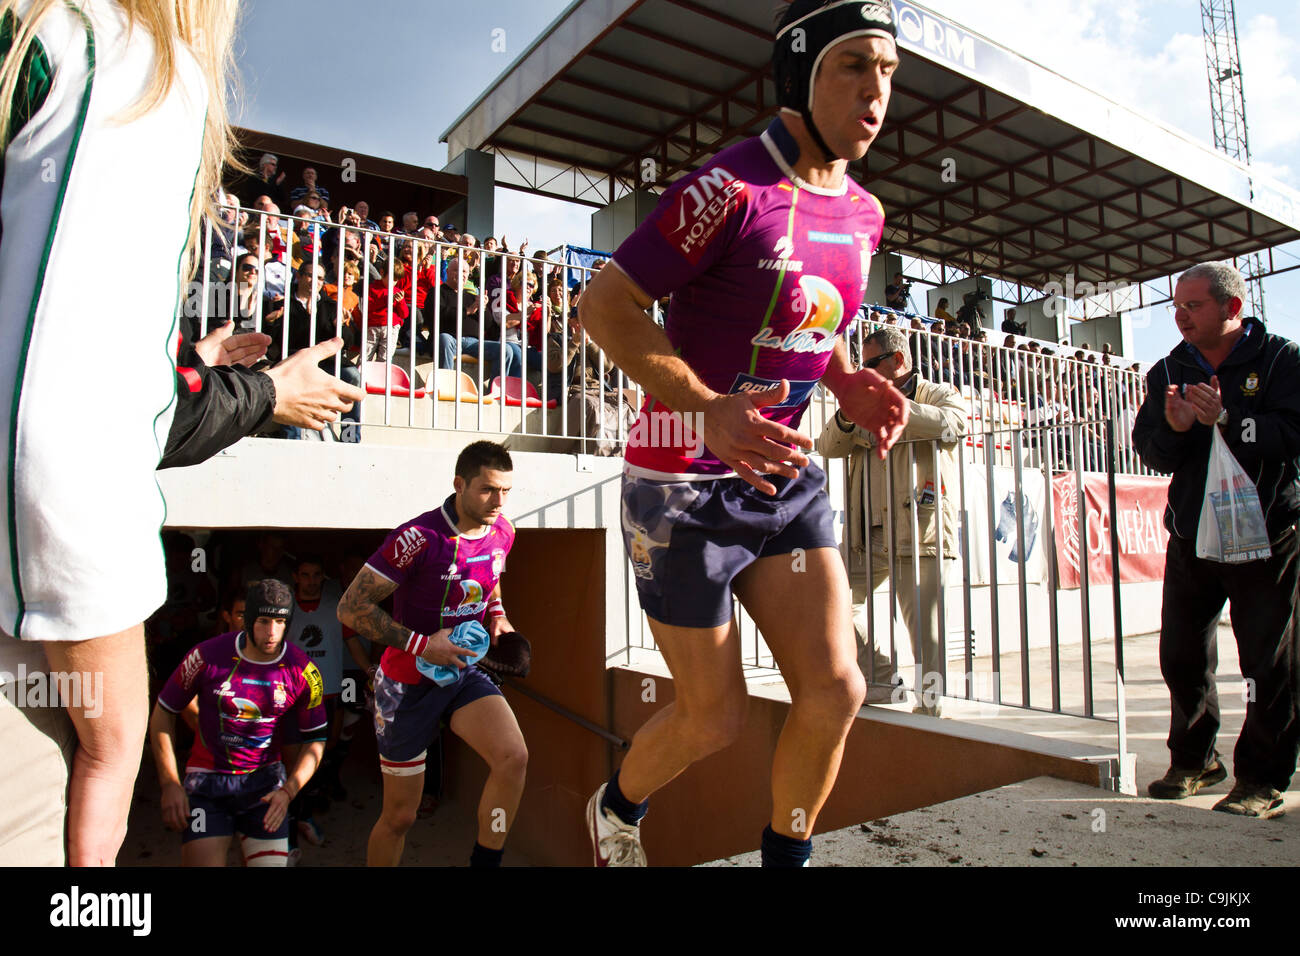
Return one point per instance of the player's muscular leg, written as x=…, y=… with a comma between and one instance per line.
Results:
x=489, y=726
x=805, y=618
x=706, y=715
x=401, y=801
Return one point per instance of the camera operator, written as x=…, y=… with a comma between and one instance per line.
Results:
x=896, y=295
x=970, y=312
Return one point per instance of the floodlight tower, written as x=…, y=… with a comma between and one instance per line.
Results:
x=1228, y=113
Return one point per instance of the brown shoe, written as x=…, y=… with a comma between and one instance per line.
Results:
x=1178, y=784
x=1252, y=800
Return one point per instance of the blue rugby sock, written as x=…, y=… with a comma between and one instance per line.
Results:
x=621, y=806
x=780, y=850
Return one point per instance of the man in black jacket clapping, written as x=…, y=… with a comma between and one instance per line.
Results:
x=1228, y=373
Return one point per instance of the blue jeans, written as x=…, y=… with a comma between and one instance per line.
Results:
x=494, y=357
x=351, y=429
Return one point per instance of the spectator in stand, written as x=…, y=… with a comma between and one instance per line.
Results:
x=411, y=224
x=471, y=252
x=1011, y=326
x=938, y=413
x=495, y=360
x=422, y=265
x=278, y=232
x=315, y=304
x=390, y=307
x=298, y=193
x=518, y=305
x=386, y=222
x=268, y=183
x=274, y=274
x=305, y=304
x=431, y=230
x=363, y=212
x=315, y=205
x=219, y=242
x=941, y=312
x=241, y=300
x=351, y=308
x=896, y=294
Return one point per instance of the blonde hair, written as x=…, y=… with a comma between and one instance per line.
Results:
x=207, y=28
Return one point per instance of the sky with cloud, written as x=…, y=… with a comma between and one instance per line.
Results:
x=402, y=73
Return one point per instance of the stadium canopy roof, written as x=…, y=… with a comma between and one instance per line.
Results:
x=1046, y=177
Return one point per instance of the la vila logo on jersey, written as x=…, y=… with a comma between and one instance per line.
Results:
x=823, y=309
x=473, y=603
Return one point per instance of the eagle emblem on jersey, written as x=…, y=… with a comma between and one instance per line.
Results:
x=823, y=310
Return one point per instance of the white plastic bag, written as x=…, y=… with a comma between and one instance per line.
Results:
x=1232, y=526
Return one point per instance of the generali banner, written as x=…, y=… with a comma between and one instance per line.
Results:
x=1142, y=535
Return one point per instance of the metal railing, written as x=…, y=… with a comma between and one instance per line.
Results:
x=1007, y=608
x=554, y=383
x=439, y=301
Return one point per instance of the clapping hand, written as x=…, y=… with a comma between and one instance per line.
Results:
x=222, y=347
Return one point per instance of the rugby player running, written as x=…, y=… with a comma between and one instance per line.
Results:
x=246, y=683
x=444, y=568
x=765, y=251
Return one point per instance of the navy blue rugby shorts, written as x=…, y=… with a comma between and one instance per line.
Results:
x=687, y=540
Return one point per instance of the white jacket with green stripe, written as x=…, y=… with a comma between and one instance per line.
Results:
x=95, y=215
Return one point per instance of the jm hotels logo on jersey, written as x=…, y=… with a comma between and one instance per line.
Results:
x=191, y=667
x=406, y=547
x=822, y=307
x=700, y=210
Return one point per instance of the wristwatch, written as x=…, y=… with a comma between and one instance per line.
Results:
x=843, y=423
x=1223, y=417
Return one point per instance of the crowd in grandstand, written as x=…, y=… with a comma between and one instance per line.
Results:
x=324, y=271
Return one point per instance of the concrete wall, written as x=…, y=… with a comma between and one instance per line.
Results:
x=556, y=599
x=261, y=483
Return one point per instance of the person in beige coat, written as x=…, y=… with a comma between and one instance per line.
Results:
x=938, y=416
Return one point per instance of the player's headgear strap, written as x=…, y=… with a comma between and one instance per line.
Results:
x=268, y=598
x=805, y=37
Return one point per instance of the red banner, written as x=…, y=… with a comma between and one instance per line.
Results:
x=1142, y=535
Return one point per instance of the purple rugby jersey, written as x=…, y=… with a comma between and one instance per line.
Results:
x=766, y=272
x=443, y=577
x=242, y=701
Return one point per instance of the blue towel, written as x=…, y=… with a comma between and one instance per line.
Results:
x=474, y=638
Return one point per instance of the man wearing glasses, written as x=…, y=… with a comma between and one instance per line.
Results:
x=937, y=414
x=1227, y=373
